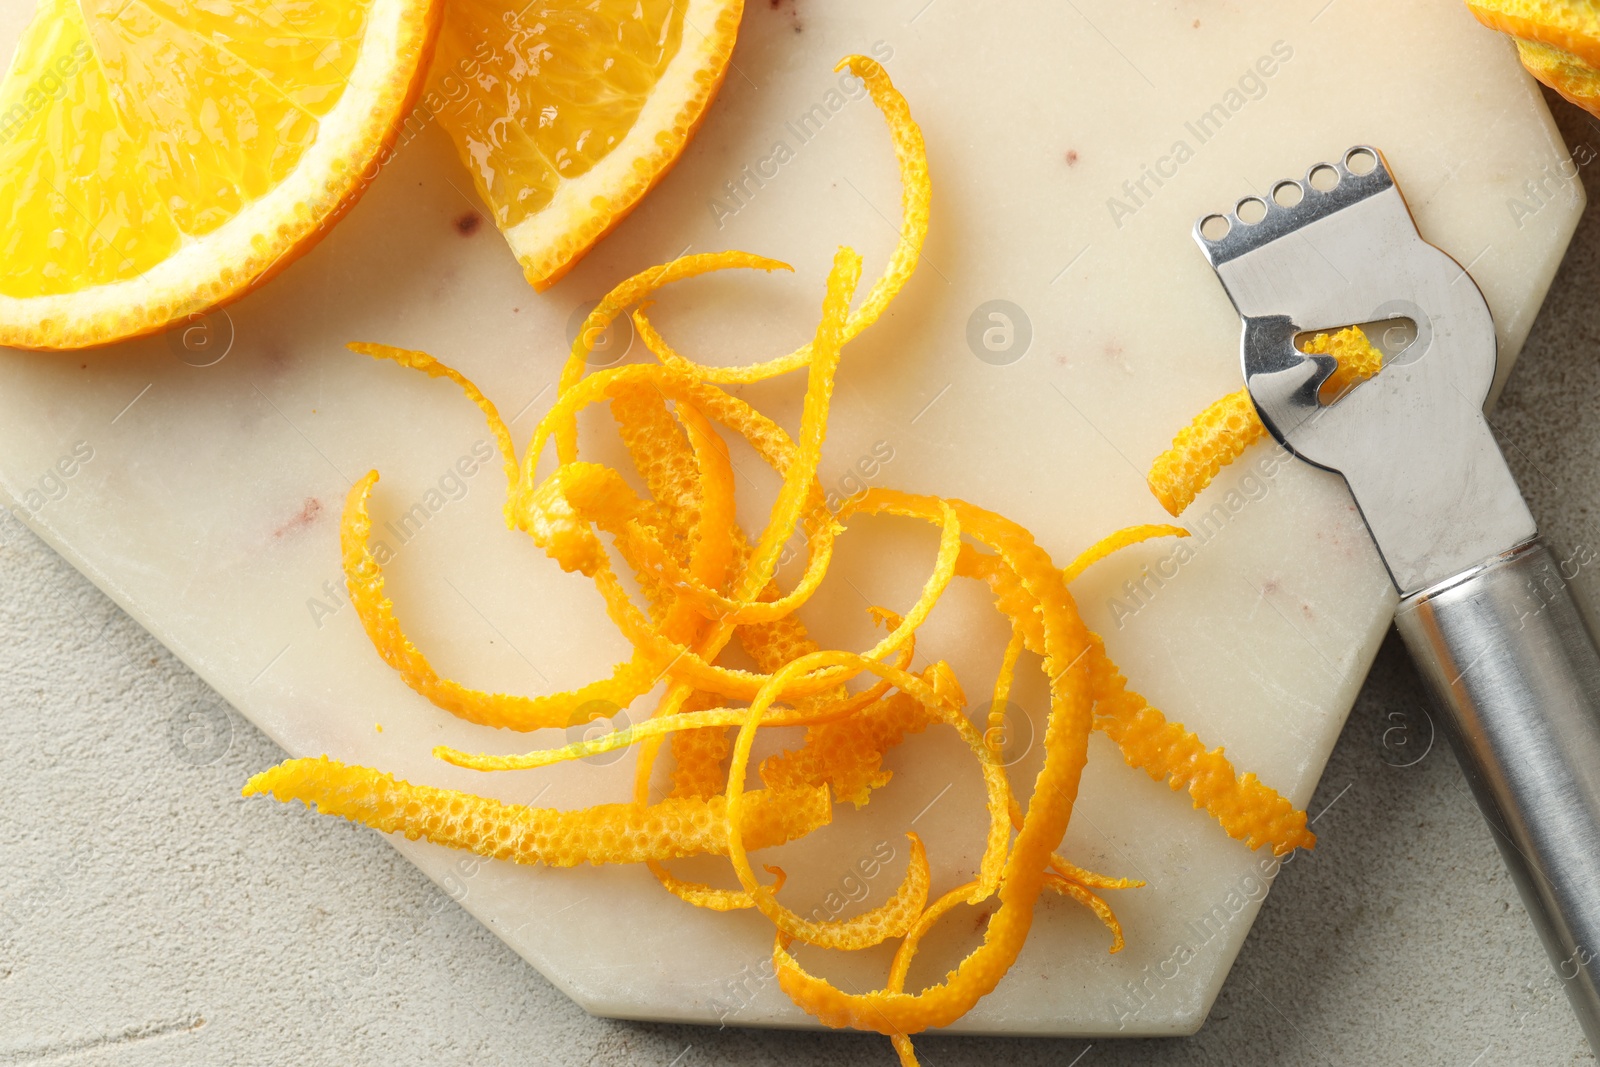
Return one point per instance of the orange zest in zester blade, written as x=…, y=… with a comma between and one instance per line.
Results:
x=1220, y=434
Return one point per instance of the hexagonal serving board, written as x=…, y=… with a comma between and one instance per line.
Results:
x=1072, y=146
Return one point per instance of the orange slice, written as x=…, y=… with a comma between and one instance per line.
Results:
x=1577, y=82
x=1558, y=42
x=568, y=111
x=162, y=157
x=1572, y=26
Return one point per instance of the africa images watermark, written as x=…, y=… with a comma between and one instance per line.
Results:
x=798, y=132
x=1249, y=889
x=51, y=84
x=742, y=987
x=850, y=486
x=1251, y=86
x=1554, y=184
x=1550, y=585
x=52, y=485
x=1140, y=591
x=449, y=488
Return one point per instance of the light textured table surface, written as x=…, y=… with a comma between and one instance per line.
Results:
x=148, y=915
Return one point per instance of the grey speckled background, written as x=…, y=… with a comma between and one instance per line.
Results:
x=149, y=916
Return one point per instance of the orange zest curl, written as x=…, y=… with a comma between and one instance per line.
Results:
x=1220, y=434
x=605, y=833
x=699, y=582
x=1216, y=437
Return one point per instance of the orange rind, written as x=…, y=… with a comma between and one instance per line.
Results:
x=1572, y=26
x=159, y=160
x=1220, y=434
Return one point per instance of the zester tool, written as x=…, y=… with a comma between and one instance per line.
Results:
x=1485, y=608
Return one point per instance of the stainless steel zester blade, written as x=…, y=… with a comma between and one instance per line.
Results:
x=1484, y=609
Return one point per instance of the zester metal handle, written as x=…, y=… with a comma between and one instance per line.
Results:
x=1512, y=664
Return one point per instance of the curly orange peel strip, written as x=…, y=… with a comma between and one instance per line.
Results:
x=430, y=366
x=1130, y=535
x=624, y=295
x=364, y=579
x=1220, y=434
x=916, y=193
x=605, y=833
x=1246, y=808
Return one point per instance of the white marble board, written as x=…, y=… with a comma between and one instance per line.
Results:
x=204, y=499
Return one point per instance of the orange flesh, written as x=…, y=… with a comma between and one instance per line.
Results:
x=530, y=111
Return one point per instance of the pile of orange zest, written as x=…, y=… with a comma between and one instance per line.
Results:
x=701, y=583
x=1557, y=40
x=1044, y=822
x=1221, y=433
x=847, y=753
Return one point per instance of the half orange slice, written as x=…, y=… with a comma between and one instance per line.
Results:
x=161, y=157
